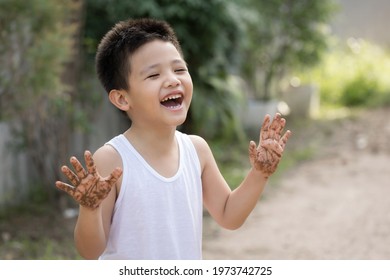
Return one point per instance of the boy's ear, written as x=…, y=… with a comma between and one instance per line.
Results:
x=120, y=99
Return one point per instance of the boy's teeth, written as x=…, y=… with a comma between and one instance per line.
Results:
x=170, y=98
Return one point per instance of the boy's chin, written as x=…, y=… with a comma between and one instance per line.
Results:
x=180, y=121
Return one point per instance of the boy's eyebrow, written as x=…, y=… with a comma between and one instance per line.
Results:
x=144, y=70
x=177, y=61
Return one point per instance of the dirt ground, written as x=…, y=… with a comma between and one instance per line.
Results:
x=334, y=206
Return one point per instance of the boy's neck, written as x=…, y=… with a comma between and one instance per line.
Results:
x=156, y=140
x=158, y=148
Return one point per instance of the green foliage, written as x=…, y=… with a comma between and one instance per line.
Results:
x=216, y=105
x=283, y=35
x=36, y=42
x=34, y=49
x=358, y=91
x=205, y=29
x=354, y=73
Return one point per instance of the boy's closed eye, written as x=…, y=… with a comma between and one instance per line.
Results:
x=181, y=70
x=156, y=75
x=152, y=76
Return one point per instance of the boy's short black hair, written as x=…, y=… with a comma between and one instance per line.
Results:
x=117, y=46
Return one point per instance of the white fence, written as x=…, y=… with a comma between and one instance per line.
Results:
x=13, y=170
x=15, y=173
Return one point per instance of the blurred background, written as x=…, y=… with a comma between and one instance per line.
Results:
x=323, y=64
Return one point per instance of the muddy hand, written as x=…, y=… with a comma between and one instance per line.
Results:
x=88, y=187
x=266, y=156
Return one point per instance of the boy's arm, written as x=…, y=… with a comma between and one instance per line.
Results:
x=231, y=208
x=90, y=232
x=93, y=192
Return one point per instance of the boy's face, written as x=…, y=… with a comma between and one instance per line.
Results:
x=160, y=85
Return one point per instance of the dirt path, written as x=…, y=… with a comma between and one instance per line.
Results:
x=335, y=206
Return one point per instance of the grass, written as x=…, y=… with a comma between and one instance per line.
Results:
x=36, y=231
x=45, y=248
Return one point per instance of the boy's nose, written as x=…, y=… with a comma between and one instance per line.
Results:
x=172, y=81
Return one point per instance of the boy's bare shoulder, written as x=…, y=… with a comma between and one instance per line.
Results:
x=198, y=142
x=106, y=159
x=202, y=147
x=106, y=151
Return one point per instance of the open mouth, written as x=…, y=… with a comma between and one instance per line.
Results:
x=173, y=101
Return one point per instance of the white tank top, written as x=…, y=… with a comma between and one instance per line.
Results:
x=157, y=217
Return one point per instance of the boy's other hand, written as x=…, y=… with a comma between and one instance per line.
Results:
x=266, y=156
x=88, y=187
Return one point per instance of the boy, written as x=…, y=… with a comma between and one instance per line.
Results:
x=141, y=195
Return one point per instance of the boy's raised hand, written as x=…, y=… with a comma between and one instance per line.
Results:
x=266, y=156
x=89, y=188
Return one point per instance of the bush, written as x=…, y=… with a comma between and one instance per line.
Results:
x=353, y=74
x=359, y=91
